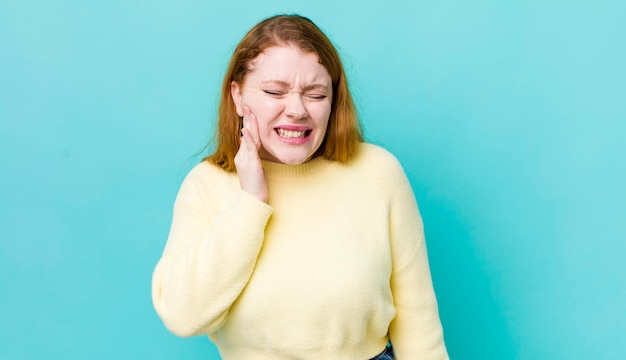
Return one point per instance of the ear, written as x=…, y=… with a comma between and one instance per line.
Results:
x=235, y=93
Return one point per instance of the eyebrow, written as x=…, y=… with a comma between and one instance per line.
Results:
x=285, y=84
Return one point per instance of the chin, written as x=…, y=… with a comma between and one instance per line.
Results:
x=293, y=160
x=290, y=158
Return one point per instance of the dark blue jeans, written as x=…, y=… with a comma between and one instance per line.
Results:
x=387, y=354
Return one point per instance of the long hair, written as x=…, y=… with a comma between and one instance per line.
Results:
x=344, y=130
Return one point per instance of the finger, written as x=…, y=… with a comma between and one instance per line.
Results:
x=248, y=141
x=246, y=117
x=244, y=125
x=254, y=129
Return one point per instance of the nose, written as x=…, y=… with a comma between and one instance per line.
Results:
x=295, y=108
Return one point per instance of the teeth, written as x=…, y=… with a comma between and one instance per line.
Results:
x=290, y=134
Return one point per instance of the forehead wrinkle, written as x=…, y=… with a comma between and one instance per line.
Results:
x=314, y=86
x=275, y=82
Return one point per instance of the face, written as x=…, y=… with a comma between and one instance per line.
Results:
x=290, y=93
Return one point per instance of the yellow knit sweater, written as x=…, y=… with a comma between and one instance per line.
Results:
x=332, y=267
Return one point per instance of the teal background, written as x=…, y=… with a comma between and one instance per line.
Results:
x=509, y=118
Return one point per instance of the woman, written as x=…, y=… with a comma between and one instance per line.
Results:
x=295, y=239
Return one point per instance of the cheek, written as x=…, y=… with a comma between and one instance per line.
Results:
x=265, y=129
x=321, y=115
x=262, y=106
x=265, y=120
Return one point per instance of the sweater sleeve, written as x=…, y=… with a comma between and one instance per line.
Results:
x=208, y=259
x=416, y=331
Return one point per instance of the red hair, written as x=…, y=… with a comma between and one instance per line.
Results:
x=343, y=134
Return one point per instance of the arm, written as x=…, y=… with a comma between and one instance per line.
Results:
x=208, y=259
x=416, y=331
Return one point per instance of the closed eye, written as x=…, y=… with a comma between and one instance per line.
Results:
x=317, y=96
x=273, y=92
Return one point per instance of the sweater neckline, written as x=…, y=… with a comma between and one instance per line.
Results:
x=275, y=170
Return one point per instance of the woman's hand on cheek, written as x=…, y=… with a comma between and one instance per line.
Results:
x=247, y=161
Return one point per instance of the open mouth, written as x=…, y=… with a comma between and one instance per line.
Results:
x=292, y=134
